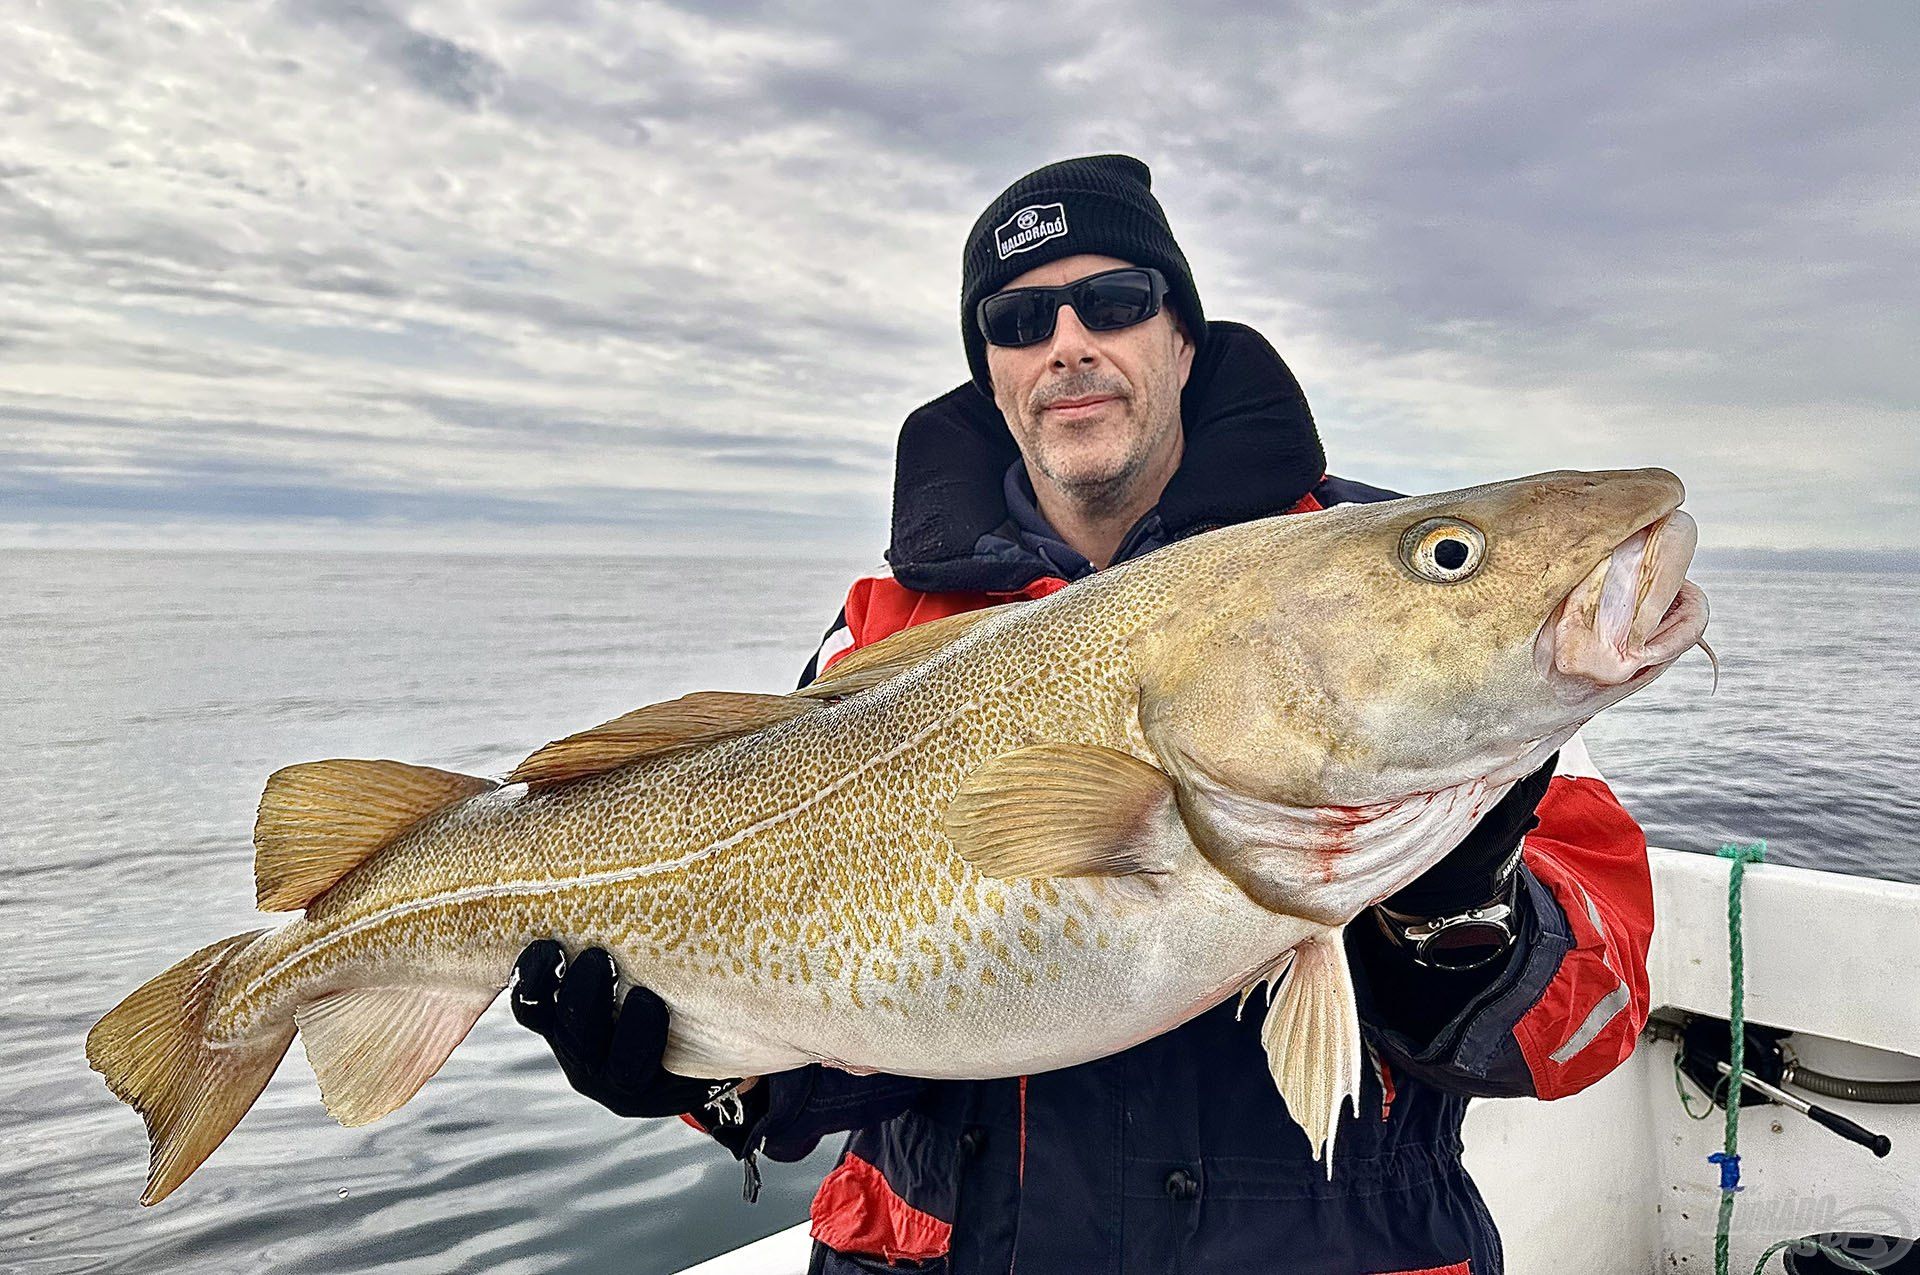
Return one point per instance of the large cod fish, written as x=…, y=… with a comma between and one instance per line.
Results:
x=1006, y=842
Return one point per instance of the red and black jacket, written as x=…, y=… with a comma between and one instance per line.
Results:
x=1178, y=1153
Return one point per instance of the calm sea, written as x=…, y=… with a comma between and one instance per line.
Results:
x=145, y=697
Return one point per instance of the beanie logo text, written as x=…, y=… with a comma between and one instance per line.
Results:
x=1029, y=228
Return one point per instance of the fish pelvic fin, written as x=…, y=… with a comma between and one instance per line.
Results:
x=1312, y=1037
x=153, y=1051
x=704, y=717
x=320, y=820
x=373, y=1047
x=1066, y=810
x=1267, y=977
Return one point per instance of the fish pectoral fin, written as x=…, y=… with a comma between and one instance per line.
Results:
x=320, y=820
x=869, y=666
x=1312, y=1036
x=704, y=717
x=1066, y=810
x=373, y=1047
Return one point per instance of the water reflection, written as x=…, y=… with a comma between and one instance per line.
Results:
x=149, y=696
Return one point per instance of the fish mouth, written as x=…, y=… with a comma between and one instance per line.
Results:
x=1633, y=615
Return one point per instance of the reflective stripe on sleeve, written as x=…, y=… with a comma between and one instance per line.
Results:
x=838, y=643
x=1595, y=1022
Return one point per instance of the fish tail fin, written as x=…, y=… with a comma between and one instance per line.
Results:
x=153, y=1050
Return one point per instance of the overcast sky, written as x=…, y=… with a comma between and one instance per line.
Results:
x=594, y=273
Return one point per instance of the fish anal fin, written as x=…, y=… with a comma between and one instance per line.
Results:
x=871, y=665
x=704, y=717
x=373, y=1047
x=153, y=1050
x=1312, y=1037
x=1066, y=810
x=320, y=820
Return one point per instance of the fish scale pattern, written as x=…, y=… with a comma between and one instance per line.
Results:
x=1328, y=712
x=791, y=884
x=791, y=891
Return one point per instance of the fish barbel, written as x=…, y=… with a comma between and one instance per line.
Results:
x=997, y=844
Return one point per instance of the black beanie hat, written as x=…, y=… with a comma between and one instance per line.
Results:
x=1101, y=204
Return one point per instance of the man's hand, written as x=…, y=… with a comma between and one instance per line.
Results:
x=1477, y=869
x=1419, y=1001
x=610, y=1053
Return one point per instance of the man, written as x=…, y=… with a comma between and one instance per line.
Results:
x=1106, y=417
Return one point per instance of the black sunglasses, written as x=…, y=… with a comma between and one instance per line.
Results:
x=1105, y=301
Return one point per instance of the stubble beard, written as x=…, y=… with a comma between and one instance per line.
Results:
x=1099, y=494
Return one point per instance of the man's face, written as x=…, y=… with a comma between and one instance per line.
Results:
x=1092, y=412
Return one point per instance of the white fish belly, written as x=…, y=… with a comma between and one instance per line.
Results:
x=1111, y=964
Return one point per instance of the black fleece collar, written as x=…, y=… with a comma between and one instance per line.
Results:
x=1251, y=450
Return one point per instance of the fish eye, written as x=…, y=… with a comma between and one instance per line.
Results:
x=1443, y=550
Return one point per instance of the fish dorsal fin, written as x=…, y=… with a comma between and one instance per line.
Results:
x=320, y=820
x=1066, y=810
x=373, y=1047
x=871, y=665
x=704, y=717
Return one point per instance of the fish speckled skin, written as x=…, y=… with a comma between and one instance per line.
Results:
x=1328, y=723
x=792, y=894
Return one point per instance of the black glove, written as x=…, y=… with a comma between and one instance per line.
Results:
x=1479, y=867
x=612, y=1053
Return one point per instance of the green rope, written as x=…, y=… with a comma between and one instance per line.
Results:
x=1729, y=1157
x=1845, y=1261
x=1680, y=1087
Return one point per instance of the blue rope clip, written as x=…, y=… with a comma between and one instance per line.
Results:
x=1729, y=1170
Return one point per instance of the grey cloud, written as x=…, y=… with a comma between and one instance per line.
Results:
x=225, y=497
x=448, y=71
x=468, y=79
x=241, y=435
x=351, y=282
x=572, y=13
x=160, y=243
x=442, y=68
x=1588, y=157
x=959, y=82
x=218, y=294
x=851, y=455
x=228, y=465
x=720, y=325
x=646, y=317
x=567, y=234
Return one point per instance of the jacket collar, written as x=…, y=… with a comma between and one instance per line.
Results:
x=1251, y=450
